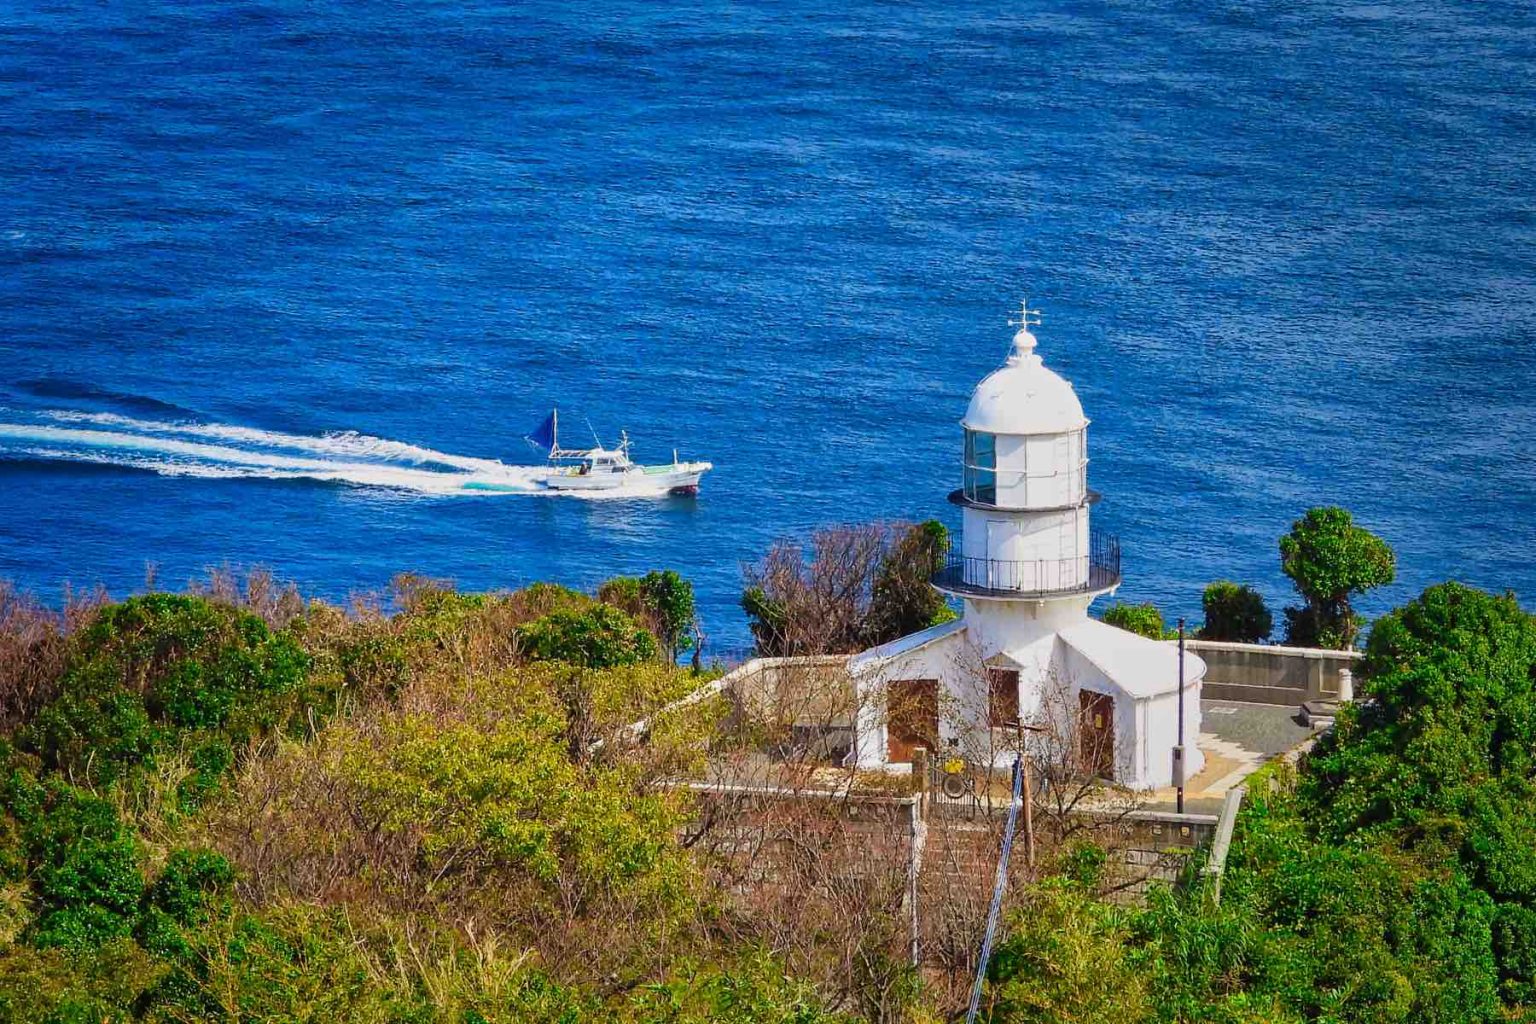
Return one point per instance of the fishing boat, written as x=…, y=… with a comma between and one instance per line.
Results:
x=610, y=470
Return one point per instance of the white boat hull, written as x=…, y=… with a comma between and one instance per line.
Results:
x=677, y=478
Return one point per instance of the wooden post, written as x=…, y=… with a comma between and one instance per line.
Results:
x=914, y=869
x=915, y=844
x=920, y=775
x=1029, y=817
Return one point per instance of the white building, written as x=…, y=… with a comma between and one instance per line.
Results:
x=1029, y=566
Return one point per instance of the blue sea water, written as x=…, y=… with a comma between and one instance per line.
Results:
x=1286, y=251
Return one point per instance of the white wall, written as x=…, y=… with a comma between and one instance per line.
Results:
x=1154, y=769
x=1146, y=729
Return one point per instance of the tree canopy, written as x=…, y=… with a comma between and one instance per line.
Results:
x=1234, y=613
x=662, y=600
x=855, y=587
x=1331, y=560
x=1144, y=619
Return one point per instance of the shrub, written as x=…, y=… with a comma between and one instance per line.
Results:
x=1359, y=932
x=84, y=865
x=902, y=599
x=33, y=652
x=1067, y=957
x=54, y=986
x=1235, y=613
x=599, y=637
x=186, y=882
x=159, y=665
x=1143, y=619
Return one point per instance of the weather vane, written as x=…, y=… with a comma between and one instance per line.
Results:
x=1025, y=313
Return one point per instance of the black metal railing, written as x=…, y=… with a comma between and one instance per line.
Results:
x=1098, y=569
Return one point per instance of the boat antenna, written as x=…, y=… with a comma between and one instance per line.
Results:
x=596, y=441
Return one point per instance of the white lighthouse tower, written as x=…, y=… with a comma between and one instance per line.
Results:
x=1028, y=567
x=1028, y=556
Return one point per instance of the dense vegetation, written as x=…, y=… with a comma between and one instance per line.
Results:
x=1393, y=878
x=240, y=806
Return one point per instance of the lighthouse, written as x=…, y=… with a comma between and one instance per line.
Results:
x=1026, y=653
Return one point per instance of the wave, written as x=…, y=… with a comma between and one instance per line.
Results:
x=65, y=389
x=228, y=451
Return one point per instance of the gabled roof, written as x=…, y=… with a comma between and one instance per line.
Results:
x=1138, y=666
x=866, y=660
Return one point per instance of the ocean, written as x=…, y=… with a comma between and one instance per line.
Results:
x=270, y=271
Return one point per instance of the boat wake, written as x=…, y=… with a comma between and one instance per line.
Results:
x=223, y=451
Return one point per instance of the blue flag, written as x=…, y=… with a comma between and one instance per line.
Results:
x=544, y=434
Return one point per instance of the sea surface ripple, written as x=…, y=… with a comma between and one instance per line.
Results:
x=1285, y=251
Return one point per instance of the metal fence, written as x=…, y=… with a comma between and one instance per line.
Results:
x=1098, y=569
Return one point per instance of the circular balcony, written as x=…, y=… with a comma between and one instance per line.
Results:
x=1093, y=573
x=959, y=497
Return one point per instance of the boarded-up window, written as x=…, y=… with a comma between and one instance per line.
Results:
x=1002, y=697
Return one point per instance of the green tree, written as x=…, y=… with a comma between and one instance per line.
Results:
x=662, y=600
x=1235, y=613
x=1331, y=560
x=671, y=598
x=599, y=637
x=903, y=599
x=1441, y=758
x=1144, y=619
x=160, y=667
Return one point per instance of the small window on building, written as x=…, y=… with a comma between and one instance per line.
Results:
x=1002, y=697
x=981, y=467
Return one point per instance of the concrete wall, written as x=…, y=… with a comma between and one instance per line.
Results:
x=810, y=690
x=1261, y=674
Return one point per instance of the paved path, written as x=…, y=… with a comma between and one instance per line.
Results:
x=1236, y=739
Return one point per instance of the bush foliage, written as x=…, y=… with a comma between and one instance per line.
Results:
x=1143, y=619
x=597, y=637
x=854, y=587
x=219, y=809
x=1235, y=613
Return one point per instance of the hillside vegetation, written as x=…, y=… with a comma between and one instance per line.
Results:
x=236, y=805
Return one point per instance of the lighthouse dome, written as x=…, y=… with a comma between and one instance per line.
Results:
x=1023, y=396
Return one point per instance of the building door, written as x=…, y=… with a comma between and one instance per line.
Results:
x=1003, y=698
x=1006, y=565
x=911, y=718
x=1096, y=733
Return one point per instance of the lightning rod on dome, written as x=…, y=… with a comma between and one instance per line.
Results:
x=1024, y=316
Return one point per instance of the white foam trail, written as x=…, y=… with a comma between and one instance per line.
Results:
x=222, y=451
x=346, y=443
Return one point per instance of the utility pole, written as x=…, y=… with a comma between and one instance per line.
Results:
x=1178, y=751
